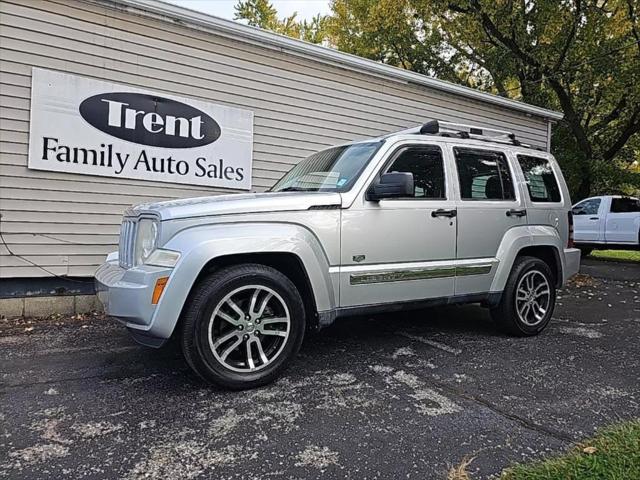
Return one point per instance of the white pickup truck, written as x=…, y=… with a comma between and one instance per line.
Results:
x=610, y=221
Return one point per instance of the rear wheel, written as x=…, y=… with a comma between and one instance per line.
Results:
x=242, y=326
x=528, y=299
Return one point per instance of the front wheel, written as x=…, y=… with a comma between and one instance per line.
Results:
x=528, y=299
x=242, y=326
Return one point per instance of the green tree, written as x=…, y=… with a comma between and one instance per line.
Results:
x=578, y=56
x=261, y=13
x=315, y=30
x=388, y=31
x=257, y=13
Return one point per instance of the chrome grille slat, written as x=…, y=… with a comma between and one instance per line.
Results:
x=132, y=240
x=127, y=242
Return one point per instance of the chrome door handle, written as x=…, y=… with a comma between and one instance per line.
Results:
x=441, y=212
x=516, y=213
x=594, y=218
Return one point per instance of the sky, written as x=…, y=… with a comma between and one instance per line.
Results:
x=224, y=8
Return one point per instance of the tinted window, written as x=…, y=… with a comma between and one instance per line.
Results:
x=483, y=175
x=625, y=205
x=426, y=165
x=541, y=181
x=588, y=207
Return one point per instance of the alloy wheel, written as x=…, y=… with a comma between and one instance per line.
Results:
x=533, y=297
x=249, y=328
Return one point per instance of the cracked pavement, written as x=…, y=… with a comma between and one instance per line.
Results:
x=399, y=395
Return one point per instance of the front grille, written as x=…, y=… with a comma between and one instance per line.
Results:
x=127, y=242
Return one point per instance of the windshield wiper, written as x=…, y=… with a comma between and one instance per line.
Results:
x=296, y=189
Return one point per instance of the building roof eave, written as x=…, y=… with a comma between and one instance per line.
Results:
x=321, y=53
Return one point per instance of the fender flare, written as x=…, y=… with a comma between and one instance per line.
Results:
x=201, y=244
x=518, y=238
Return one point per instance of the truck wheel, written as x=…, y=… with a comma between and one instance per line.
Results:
x=528, y=299
x=242, y=326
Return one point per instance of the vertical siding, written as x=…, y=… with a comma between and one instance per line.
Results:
x=66, y=223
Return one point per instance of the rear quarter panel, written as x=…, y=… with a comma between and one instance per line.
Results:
x=552, y=214
x=547, y=222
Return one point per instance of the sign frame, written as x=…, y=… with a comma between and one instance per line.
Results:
x=85, y=126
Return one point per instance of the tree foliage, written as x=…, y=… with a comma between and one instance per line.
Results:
x=388, y=31
x=578, y=56
x=261, y=13
x=581, y=57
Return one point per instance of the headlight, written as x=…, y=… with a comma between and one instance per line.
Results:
x=146, y=238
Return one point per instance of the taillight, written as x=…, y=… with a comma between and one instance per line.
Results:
x=570, y=241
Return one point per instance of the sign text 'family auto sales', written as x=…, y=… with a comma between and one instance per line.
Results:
x=91, y=127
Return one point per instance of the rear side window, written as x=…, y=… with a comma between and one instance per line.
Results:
x=541, y=181
x=427, y=167
x=588, y=207
x=625, y=205
x=483, y=175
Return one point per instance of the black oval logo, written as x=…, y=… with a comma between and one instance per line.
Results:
x=150, y=120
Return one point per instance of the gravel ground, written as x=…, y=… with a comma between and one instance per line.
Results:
x=395, y=396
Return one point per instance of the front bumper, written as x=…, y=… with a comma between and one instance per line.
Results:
x=127, y=294
x=571, y=263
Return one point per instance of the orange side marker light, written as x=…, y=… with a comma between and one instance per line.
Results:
x=159, y=288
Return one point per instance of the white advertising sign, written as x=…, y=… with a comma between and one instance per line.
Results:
x=91, y=127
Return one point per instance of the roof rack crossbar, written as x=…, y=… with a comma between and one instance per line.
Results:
x=460, y=130
x=472, y=130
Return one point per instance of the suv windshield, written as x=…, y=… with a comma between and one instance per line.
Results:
x=332, y=170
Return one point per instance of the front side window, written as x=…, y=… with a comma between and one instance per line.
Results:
x=541, y=181
x=335, y=169
x=483, y=175
x=588, y=207
x=427, y=166
x=625, y=205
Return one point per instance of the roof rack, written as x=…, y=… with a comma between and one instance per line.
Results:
x=460, y=130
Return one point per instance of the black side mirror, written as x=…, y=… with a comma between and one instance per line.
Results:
x=392, y=185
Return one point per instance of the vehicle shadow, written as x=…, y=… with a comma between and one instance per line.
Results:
x=453, y=320
x=370, y=333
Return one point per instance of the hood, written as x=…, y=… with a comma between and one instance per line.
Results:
x=237, y=204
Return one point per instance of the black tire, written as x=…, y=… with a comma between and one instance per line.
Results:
x=208, y=295
x=506, y=314
x=585, y=251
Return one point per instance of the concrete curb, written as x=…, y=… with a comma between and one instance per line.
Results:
x=42, y=307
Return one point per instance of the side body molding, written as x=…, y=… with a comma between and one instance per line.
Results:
x=201, y=244
x=521, y=237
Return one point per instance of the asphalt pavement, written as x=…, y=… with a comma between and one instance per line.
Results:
x=395, y=396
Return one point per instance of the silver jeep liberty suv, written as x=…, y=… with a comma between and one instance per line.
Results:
x=437, y=214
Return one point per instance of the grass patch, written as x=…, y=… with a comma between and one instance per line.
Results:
x=619, y=255
x=613, y=454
